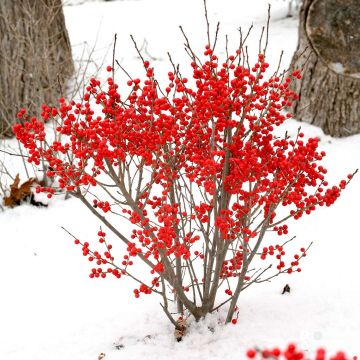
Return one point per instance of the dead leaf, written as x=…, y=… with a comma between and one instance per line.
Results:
x=19, y=193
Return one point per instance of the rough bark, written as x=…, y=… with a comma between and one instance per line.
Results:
x=329, y=93
x=35, y=57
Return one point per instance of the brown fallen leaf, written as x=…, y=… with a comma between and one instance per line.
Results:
x=18, y=193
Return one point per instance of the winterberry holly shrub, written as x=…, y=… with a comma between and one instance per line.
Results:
x=195, y=169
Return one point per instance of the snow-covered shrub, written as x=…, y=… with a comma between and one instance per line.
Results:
x=195, y=170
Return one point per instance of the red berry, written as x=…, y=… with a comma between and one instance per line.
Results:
x=251, y=354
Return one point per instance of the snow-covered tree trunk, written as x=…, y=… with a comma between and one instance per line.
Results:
x=35, y=57
x=329, y=53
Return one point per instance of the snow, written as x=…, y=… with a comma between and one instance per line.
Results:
x=339, y=69
x=51, y=310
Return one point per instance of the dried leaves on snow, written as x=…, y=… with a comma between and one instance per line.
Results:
x=20, y=193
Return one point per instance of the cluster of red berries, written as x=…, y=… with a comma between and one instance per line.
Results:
x=105, y=258
x=232, y=266
x=142, y=289
x=293, y=353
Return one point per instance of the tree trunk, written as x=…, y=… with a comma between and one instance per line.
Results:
x=35, y=57
x=329, y=54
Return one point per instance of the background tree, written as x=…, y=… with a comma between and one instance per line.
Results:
x=293, y=7
x=328, y=51
x=35, y=57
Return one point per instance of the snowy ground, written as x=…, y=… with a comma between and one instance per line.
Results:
x=51, y=310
